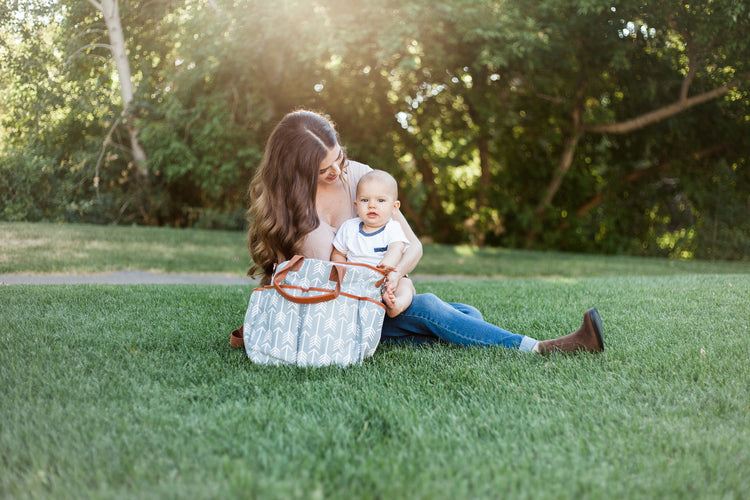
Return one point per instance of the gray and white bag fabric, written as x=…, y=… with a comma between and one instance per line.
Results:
x=315, y=313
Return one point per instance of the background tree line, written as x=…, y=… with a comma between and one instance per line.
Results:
x=616, y=127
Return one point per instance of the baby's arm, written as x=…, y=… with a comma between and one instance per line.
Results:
x=393, y=255
x=337, y=256
x=390, y=261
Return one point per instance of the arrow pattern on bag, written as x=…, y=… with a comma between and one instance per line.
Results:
x=341, y=331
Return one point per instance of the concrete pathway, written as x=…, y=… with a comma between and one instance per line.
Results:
x=125, y=278
x=152, y=278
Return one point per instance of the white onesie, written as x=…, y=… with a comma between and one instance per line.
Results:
x=366, y=248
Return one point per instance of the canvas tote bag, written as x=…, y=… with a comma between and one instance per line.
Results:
x=315, y=313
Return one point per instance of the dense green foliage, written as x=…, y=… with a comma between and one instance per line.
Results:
x=133, y=392
x=548, y=124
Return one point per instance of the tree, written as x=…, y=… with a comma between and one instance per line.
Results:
x=571, y=125
x=110, y=10
x=697, y=32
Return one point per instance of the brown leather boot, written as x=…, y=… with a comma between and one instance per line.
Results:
x=236, y=340
x=587, y=338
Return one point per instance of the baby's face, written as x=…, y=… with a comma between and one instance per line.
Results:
x=376, y=203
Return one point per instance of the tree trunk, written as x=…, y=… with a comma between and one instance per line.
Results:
x=566, y=160
x=485, y=181
x=563, y=165
x=111, y=12
x=663, y=113
x=683, y=103
x=638, y=175
x=483, y=146
x=433, y=203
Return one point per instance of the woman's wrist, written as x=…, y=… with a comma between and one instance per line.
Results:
x=398, y=272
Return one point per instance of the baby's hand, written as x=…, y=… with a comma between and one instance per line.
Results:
x=386, y=268
x=392, y=276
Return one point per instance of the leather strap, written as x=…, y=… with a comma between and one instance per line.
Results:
x=294, y=264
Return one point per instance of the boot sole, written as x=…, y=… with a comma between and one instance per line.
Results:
x=597, y=322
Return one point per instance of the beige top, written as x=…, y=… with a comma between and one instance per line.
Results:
x=319, y=243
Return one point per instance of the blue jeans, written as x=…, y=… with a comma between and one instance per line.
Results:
x=428, y=319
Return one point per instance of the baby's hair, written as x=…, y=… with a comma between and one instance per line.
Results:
x=380, y=176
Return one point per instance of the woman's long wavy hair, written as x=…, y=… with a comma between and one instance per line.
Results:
x=283, y=189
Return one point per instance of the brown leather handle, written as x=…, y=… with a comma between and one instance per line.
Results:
x=294, y=264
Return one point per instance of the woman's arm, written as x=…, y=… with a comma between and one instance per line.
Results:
x=413, y=253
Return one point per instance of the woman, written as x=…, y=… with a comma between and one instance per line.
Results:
x=304, y=190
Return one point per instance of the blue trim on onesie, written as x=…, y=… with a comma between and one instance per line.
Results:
x=362, y=232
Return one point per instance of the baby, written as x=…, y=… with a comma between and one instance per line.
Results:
x=374, y=237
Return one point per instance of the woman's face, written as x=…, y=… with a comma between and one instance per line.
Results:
x=330, y=167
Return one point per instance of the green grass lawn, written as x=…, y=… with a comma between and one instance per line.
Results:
x=133, y=392
x=80, y=248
